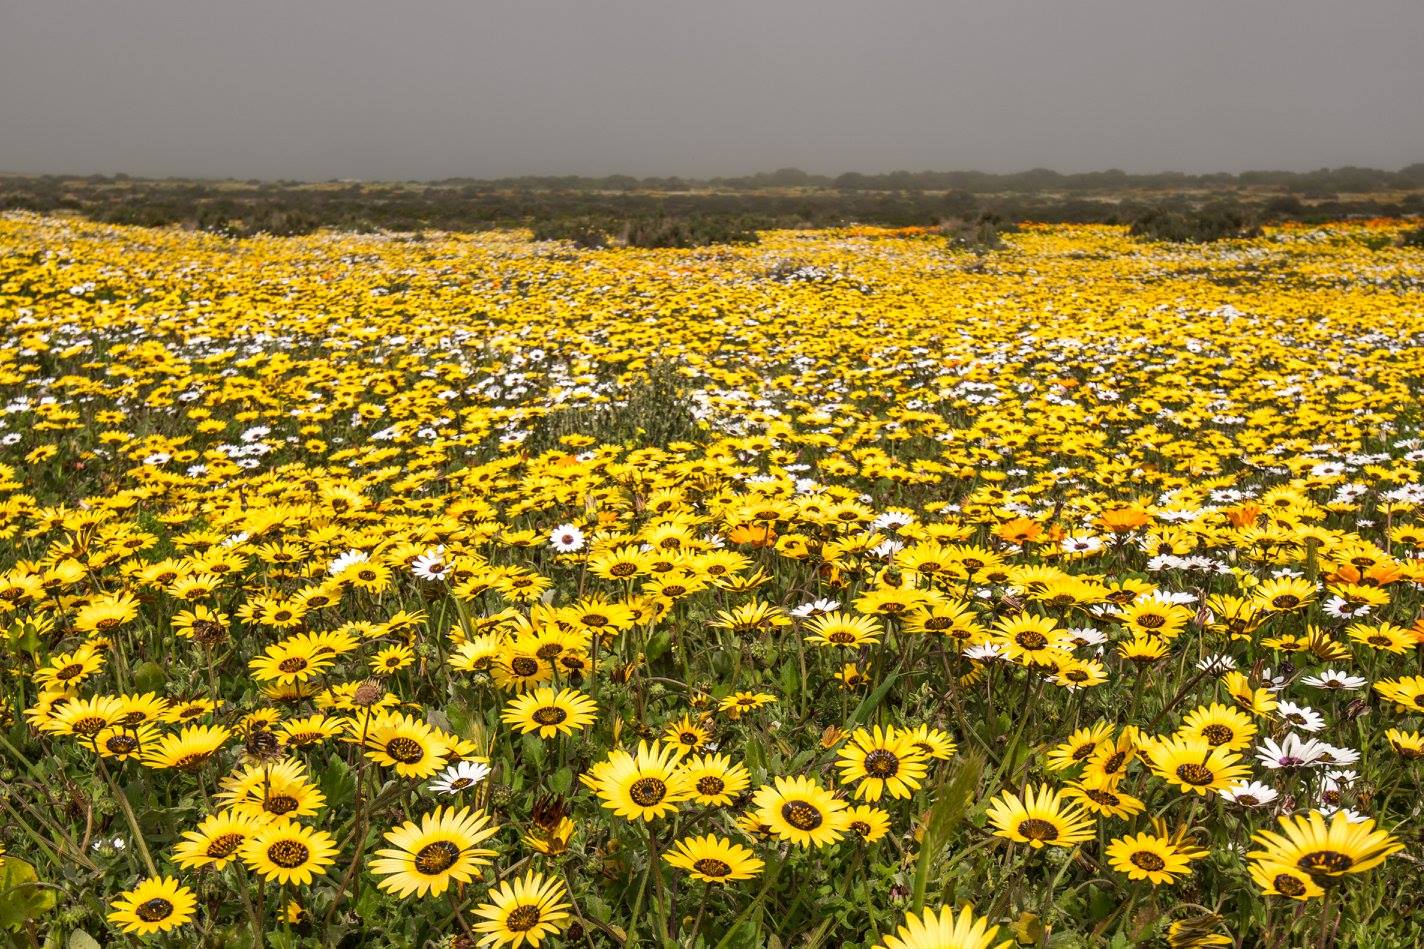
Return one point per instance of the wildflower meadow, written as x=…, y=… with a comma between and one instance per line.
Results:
x=849, y=588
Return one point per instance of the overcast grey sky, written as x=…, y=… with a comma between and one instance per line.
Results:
x=438, y=88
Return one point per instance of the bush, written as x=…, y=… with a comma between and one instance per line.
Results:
x=1413, y=237
x=1214, y=222
x=580, y=232
x=690, y=231
x=654, y=410
x=978, y=233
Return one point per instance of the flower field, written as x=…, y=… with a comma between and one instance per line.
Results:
x=839, y=590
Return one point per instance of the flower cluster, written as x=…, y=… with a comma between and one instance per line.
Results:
x=469, y=590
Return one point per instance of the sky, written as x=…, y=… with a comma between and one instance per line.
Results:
x=426, y=89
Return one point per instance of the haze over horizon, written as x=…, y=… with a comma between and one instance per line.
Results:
x=437, y=88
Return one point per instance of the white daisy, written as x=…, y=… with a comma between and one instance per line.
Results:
x=1336, y=679
x=1300, y=716
x=1337, y=755
x=566, y=539
x=816, y=608
x=1217, y=664
x=1291, y=752
x=459, y=776
x=431, y=565
x=346, y=560
x=1250, y=794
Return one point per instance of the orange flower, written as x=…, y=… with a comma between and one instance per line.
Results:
x=1243, y=516
x=754, y=535
x=1021, y=530
x=1123, y=519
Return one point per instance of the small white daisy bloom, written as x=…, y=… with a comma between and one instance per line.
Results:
x=459, y=776
x=1336, y=679
x=1250, y=794
x=566, y=539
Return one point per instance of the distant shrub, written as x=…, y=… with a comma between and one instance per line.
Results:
x=1414, y=237
x=980, y=232
x=580, y=232
x=1213, y=222
x=655, y=409
x=689, y=231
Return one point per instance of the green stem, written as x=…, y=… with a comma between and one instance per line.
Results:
x=134, y=829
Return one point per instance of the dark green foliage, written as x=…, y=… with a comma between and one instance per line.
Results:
x=580, y=232
x=1412, y=238
x=654, y=410
x=1185, y=225
x=694, y=231
x=979, y=232
x=588, y=210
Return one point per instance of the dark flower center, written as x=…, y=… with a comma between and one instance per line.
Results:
x=522, y=919
x=549, y=715
x=1288, y=885
x=292, y=664
x=881, y=764
x=1326, y=861
x=1196, y=774
x=524, y=666
x=801, y=815
x=154, y=910
x=89, y=725
x=709, y=866
x=405, y=750
x=192, y=762
x=435, y=858
x=710, y=785
x=280, y=804
x=1217, y=734
x=1036, y=829
x=288, y=854
x=1147, y=860
x=223, y=845
x=646, y=792
x=121, y=744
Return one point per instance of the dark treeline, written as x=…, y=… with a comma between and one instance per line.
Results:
x=682, y=212
x=1325, y=181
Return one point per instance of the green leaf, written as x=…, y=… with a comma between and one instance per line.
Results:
x=534, y=749
x=149, y=677
x=1027, y=929
x=561, y=781
x=79, y=939
x=873, y=700
x=22, y=899
x=595, y=906
x=283, y=939
x=746, y=935
x=458, y=712
x=658, y=644
x=790, y=678
x=951, y=804
x=338, y=783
